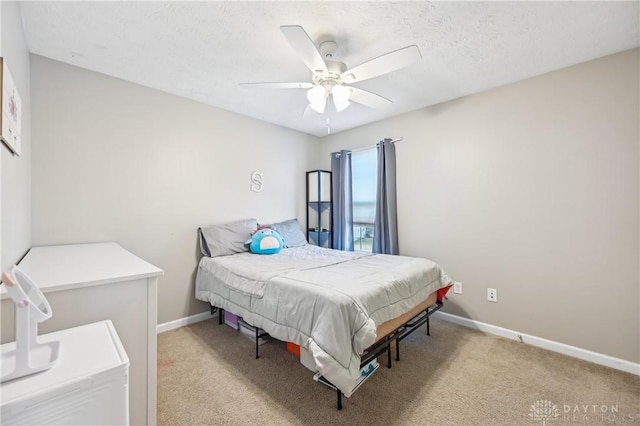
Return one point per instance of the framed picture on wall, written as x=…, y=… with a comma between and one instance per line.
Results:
x=10, y=110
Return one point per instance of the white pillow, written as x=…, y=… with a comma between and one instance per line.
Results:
x=291, y=233
x=227, y=238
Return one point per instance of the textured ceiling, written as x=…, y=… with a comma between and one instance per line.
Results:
x=204, y=50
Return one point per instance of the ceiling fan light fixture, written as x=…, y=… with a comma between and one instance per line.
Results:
x=317, y=97
x=316, y=94
x=341, y=106
x=341, y=96
x=319, y=108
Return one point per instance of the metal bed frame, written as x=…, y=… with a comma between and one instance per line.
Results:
x=374, y=351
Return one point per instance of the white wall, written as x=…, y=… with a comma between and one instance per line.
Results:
x=115, y=161
x=15, y=171
x=531, y=189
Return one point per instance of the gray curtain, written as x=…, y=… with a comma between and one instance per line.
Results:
x=385, y=225
x=342, y=200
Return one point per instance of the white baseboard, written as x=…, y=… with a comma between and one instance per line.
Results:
x=172, y=325
x=597, y=358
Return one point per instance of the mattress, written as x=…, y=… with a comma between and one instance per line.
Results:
x=327, y=301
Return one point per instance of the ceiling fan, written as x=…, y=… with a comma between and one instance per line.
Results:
x=329, y=77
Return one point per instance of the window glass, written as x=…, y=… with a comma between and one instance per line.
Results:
x=364, y=175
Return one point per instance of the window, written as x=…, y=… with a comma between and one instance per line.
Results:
x=364, y=176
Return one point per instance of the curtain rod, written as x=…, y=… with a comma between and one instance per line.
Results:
x=368, y=147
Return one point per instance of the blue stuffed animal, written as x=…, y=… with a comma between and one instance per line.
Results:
x=266, y=241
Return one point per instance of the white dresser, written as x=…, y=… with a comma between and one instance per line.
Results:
x=87, y=283
x=88, y=384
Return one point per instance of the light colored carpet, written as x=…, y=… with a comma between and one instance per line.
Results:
x=208, y=374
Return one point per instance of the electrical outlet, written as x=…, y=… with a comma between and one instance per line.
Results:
x=492, y=295
x=457, y=287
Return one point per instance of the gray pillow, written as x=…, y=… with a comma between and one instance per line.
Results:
x=291, y=233
x=227, y=238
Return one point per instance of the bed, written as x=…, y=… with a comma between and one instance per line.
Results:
x=335, y=304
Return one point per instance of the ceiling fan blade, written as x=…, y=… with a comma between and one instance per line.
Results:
x=368, y=98
x=383, y=64
x=280, y=85
x=304, y=47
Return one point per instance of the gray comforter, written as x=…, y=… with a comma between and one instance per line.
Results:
x=327, y=301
